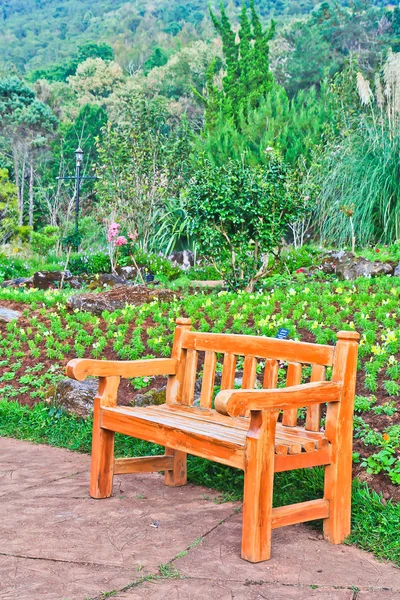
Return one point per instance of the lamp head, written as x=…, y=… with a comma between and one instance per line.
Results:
x=79, y=156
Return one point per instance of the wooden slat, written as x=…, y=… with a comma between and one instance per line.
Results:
x=313, y=418
x=299, y=513
x=207, y=386
x=228, y=372
x=292, y=443
x=143, y=464
x=295, y=448
x=303, y=460
x=80, y=368
x=175, y=381
x=282, y=449
x=289, y=417
x=189, y=380
x=224, y=451
x=249, y=372
x=297, y=434
x=270, y=373
x=241, y=345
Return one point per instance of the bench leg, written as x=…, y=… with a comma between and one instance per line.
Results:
x=258, y=487
x=338, y=491
x=176, y=476
x=102, y=466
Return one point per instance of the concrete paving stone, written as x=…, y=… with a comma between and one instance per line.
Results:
x=298, y=558
x=24, y=465
x=200, y=589
x=24, y=579
x=146, y=525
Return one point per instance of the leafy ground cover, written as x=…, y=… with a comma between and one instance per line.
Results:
x=34, y=350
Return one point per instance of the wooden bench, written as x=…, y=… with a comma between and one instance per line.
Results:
x=242, y=430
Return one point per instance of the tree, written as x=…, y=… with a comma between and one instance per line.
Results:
x=26, y=123
x=95, y=80
x=248, y=79
x=143, y=160
x=8, y=207
x=61, y=72
x=239, y=215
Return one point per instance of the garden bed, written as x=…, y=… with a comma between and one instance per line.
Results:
x=34, y=350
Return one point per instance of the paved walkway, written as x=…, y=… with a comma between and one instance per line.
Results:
x=56, y=543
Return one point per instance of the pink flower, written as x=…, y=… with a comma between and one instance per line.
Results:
x=120, y=241
x=133, y=236
x=113, y=231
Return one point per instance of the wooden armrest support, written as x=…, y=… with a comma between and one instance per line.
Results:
x=80, y=368
x=236, y=402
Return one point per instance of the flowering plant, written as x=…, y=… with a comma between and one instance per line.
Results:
x=115, y=241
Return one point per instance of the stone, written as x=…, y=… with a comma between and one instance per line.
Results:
x=7, y=315
x=44, y=280
x=75, y=397
x=127, y=272
x=118, y=298
x=185, y=259
x=111, y=279
x=347, y=266
x=151, y=398
x=397, y=271
x=17, y=282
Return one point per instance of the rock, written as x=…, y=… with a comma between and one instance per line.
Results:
x=118, y=298
x=185, y=259
x=75, y=396
x=397, y=271
x=44, y=280
x=152, y=397
x=111, y=279
x=127, y=272
x=7, y=315
x=348, y=266
x=17, y=282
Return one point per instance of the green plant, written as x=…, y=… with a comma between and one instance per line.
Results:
x=239, y=215
x=45, y=240
x=89, y=263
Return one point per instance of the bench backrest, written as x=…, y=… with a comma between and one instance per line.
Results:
x=190, y=346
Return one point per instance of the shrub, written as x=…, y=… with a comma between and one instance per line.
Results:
x=154, y=263
x=89, y=263
x=45, y=240
x=239, y=215
x=11, y=268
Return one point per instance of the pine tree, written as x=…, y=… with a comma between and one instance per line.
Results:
x=248, y=79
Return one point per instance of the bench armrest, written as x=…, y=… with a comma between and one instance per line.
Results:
x=237, y=402
x=80, y=368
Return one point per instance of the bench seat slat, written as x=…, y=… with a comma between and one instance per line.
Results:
x=225, y=431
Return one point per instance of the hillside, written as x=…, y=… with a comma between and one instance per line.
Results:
x=37, y=33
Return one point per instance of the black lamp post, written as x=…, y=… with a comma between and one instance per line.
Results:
x=79, y=160
x=78, y=178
